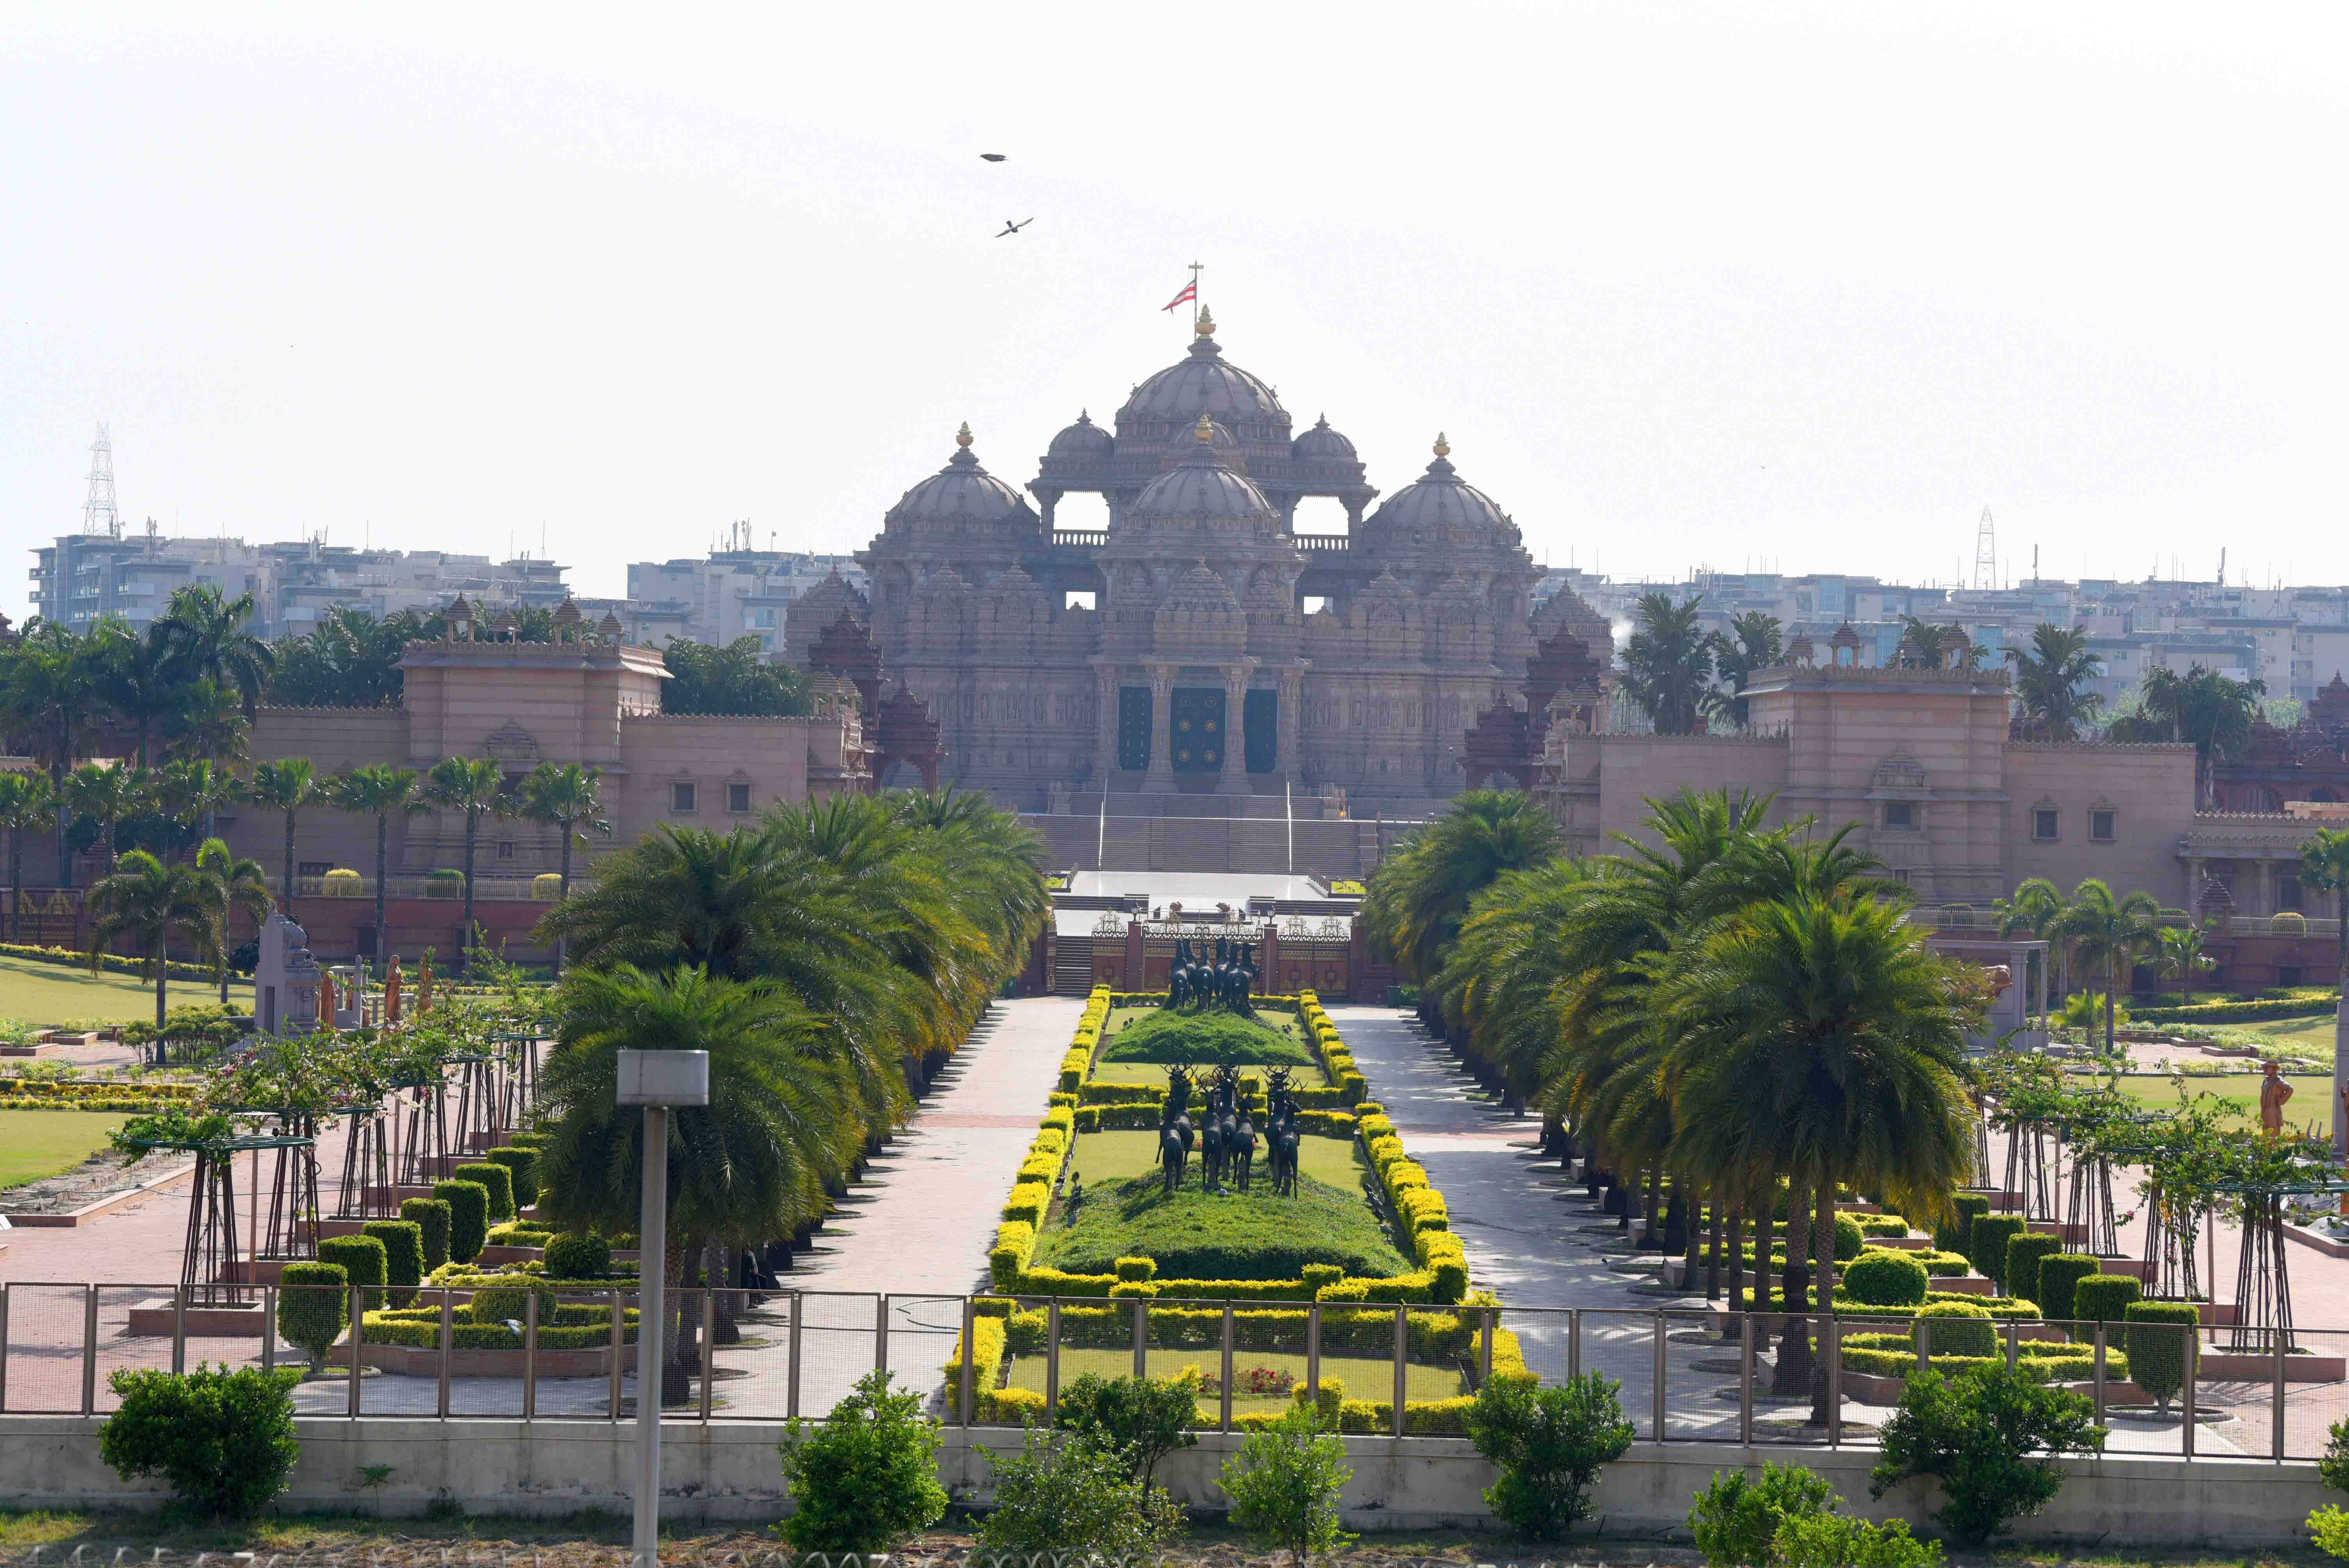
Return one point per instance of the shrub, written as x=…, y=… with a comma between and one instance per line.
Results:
x=1736, y=1519
x=507, y=1301
x=497, y=1179
x=1549, y=1443
x=1974, y=1432
x=1968, y=1207
x=2023, y=1254
x=1959, y=1329
x=1141, y=1421
x=1284, y=1485
x=313, y=1318
x=431, y=1216
x=2105, y=1298
x=2333, y=1467
x=1071, y=1492
x=522, y=1170
x=2058, y=1276
x=1885, y=1279
x=2330, y=1526
x=1831, y=1541
x=403, y=1256
x=469, y=1217
x=225, y=1439
x=865, y=1479
x=587, y=1257
x=340, y=883
x=363, y=1258
x=1986, y=1241
x=2159, y=1332
x=444, y=883
x=1137, y=1269
x=1848, y=1238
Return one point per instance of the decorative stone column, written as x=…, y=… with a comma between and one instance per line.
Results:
x=1234, y=778
x=1105, y=724
x=1292, y=689
x=1160, y=777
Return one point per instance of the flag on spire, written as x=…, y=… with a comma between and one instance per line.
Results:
x=1190, y=293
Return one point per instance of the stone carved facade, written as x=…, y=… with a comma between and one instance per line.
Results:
x=1171, y=652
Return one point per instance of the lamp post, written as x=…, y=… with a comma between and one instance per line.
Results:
x=659, y=1081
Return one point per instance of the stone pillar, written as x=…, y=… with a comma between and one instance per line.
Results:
x=2194, y=891
x=1292, y=689
x=1105, y=724
x=1234, y=778
x=1160, y=778
x=1267, y=963
x=1136, y=979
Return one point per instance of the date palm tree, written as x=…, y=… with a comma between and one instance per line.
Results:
x=1756, y=640
x=2051, y=683
x=139, y=683
x=26, y=805
x=565, y=797
x=288, y=786
x=1417, y=900
x=108, y=791
x=209, y=638
x=149, y=902
x=383, y=792
x=242, y=887
x=1667, y=663
x=192, y=790
x=2202, y=707
x=473, y=786
x=2109, y=930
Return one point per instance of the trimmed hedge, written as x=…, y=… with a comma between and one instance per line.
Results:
x=585, y=1256
x=469, y=1217
x=362, y=1259
x=403, y=1256
x=1885, y=1279
x=2059, y=1274
x=2233, y=1012
x=1986, y=1241
x=496, y=1179
x=2023, y=1254
x=1958, y=1327
x=314, y=1318
x=2105, y=1298
x=522, y=1167
x=1969, y=1207
x=432, y=1217
x=574, y=1327
x=2157, y=1334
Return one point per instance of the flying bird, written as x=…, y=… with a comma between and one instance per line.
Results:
x=992, y=157
x=1011, y=227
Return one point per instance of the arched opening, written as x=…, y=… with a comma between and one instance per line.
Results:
x=1080, y=511
x=1321, y=515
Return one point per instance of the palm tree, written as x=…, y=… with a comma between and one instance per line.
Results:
x=206, y=725
x=193, y=790
x=474, y=786
x=1420, y=895
x=52, y=682
x=1820, y=1037
x=149, y=900
x=138, y=682
x=241, y=887
x=210, y=639
x=1756, y=642
x=109, y=792
x=2109, y=930
x=287, y=786
x=2325, y=868
x=2033, y=912
x=2051, y=681
x=2182, y=956
x=381, y=791
x=564, y=795
x=2202, y=707
x=1668, y=664
x=751, y=1165
x=24, y=803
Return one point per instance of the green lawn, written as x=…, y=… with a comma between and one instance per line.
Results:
x=1154, y=1074
x=1109, y=1156
x=1196, y=1234
x=49, y=994
x=37, y=1143
x=1362, y=1377
x=1156, y=1034
x=2312, y=1099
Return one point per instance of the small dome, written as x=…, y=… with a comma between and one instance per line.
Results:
x=1440, y=503
x=1083, y=442
x=1204, y=384
x=959, y=494
x=1322, y=445
x=1202, y=489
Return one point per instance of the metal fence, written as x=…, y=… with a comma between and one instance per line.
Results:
x=1684, y=1375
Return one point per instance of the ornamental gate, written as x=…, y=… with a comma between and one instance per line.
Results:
x=1199, y=730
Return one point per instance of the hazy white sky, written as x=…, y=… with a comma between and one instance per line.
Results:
x=1722, y=285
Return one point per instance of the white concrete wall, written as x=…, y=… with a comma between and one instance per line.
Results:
x=730, y=1471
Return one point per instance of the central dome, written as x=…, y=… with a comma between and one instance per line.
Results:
x=1202, y=382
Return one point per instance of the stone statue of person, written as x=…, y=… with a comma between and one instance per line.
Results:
x=2273, y=1092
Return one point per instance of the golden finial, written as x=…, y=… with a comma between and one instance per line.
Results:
x=1206, y=326
x=1204, y=430
x=1442, y=446
x=962, y=436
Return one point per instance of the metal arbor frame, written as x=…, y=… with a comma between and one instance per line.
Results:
x=367, y=1190
x=210, y=1253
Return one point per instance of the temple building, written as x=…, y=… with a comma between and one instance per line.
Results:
x=1199, y=645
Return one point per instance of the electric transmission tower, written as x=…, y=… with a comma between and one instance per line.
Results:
x=1985, y=553
x=98, y=513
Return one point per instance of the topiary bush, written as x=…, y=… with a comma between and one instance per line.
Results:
x=469, y=1216
x=314, y=1308
x=2023, y=1254
x=1549, y=1445
x=522, y=1168
x=1986, y=1241
x=2058, y=1274
x=1885, y=1279
x=362, y=1258
x=865, y=1479
x=1137, y=1269
x=2105, y=1298
x=508, y=1300
x=431, y=1216
x=2159, y=1334
x=1959, y=1329
x=1968, y=1207
x=225, y=1439
x=587, y=1257
x=1736, y=1519
x=403, y=1256
x=497, y=1180
x=1848, y=1238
